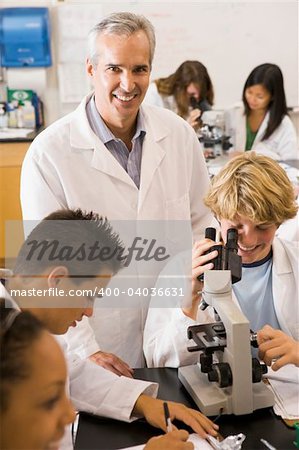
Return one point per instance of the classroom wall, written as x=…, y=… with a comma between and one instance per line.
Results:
x=229, y=37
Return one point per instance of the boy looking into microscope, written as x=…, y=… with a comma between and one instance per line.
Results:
x=253, y=194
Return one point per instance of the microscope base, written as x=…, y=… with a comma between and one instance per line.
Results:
x=211, y=399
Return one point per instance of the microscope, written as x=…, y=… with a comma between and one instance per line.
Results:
x=212, y=134
x=227, y=380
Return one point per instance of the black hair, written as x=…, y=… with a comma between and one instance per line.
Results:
x=19, y=330
x=271, y=78
x=66, y=237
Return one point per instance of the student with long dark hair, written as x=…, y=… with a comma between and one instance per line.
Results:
x=188, y=92
x=261, y=122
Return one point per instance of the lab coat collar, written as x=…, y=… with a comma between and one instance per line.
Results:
x=283, y=286
x=262, y=129
x=282, y=262
x=82, y=137
x=241, y=127
x=152, y=156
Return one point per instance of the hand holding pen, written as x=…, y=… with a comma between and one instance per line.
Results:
x=168, y=423
x=153, y=411
x=172, y=440
x=176, y=440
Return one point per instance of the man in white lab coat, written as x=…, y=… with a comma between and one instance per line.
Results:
x=56, y=276
x=121, y=159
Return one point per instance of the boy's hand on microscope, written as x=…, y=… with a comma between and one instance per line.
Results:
x=153, y=411
x=175, y=440
x=278, y=346
x=200, y=263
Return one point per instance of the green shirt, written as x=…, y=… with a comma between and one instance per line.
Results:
x=250, y=137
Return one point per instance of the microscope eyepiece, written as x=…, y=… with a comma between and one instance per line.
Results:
x=210, y=233
x=228, y=258
x=232, y=239
x=193, y=102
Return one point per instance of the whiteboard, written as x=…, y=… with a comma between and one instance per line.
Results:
x=229, y=37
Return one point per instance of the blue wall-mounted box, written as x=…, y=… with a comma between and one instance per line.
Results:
x=25, y=37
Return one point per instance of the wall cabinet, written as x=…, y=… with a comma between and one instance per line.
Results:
x=11, y=158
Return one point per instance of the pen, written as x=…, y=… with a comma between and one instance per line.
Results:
x=214, y=443
x=167, y=418
x=267, y=444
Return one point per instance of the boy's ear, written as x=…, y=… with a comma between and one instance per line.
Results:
x=56, y=275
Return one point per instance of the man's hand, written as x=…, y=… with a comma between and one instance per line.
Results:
x=153, y=411
x=176, y=440
x=113, y=363
x=275, y=344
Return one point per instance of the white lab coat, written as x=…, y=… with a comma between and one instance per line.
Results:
x=96, y=390
x=165, y=333
x=67, y=166
x=281, y=145
x=153, y=97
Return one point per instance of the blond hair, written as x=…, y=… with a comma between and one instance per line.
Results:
x=253, y=186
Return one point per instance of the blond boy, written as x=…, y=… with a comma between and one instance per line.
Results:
x=253, y=194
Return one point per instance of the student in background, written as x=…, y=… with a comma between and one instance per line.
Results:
x=253, y=194
x=277, y=347
x=262, y=123
x=188, y=92
x=34, y=408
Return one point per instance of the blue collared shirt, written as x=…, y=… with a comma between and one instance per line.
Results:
x=129, y=160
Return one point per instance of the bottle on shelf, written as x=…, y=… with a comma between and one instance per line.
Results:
x=28, y=115
x=3, y=116
x=12, y=115
x=19, y=113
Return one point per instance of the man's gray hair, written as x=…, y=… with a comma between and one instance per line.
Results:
x=121, y=23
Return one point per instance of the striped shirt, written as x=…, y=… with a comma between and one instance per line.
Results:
x=129, y=160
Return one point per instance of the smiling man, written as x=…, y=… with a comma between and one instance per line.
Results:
x=123, y=159
x=120, y=71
